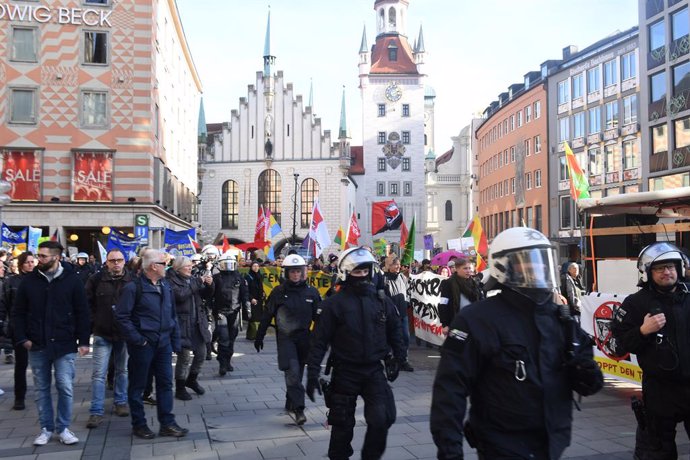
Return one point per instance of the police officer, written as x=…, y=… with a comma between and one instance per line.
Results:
x=514, y=354
x=230, y=296
x=294, y=305
x=360, y=326
x=654, y=323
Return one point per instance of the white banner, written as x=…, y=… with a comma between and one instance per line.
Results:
x=597, y=316
x=425, y=291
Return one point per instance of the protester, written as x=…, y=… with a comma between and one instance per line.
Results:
x=5, y=340
x=396, y=288
x=572, y=290
x=102, y=292
x=82, y=267
x=191, y=317
x=50, y=316
x=457, y=292
x=146, y=313
x=255, y=286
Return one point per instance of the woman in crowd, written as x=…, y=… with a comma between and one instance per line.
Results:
x=255, y=284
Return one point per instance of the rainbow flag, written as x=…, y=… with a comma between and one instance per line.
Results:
x=481, y=245
x=340, y=238
x=579, y=186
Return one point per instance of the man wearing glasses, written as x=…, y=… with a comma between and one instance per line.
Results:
x=102, y=292
x=50, y=317
x=146, y=314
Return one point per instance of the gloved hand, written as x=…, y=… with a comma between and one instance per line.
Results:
x=584, y=375
x=392, y=366
x=313, y=385
x=259, y=345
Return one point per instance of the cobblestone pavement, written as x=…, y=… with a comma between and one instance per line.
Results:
x=241, y=416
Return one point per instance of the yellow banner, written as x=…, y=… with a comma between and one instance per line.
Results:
x=316, y=278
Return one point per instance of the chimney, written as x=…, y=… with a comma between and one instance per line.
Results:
x=568, y=51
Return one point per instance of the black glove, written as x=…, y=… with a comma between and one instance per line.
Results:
x=585, y=376
x=392, y=368
x=259, y=345
x=313, y=384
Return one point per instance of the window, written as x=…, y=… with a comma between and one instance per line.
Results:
x=380, y=188
x=382, y=110
x=610, y=73
x=630, y=109
x=381, y=164
x=659, y=139
x=537, y=144
x=682, y=132
x=629, y=64
x=527, y=147
x=530, y=216
x=393, y=188
x=519, y=118
x=611, y=114
x=657, y=35
x=512, y=154
x=679, y=24
x=382, y=137
x=407, y=188
x=528, y=181
x=593, y=80
x=681, y=78
x=230, y=205
x=405, y=137
x=406, y=110
x=594, y=120
x=578, y=86
x=528, y=114
x=631, y=154
x=595, y=162
x=449, y=210
x=96, y=2
x=94, y=109
x=270, y=192
x=156, y=121
x=563, y=173
x=658, y=87
x=537, y=109
x=512, y=185
x=563, y=92
x=611, y=155
x=565, y=205
x=500, y=160
x=393, y=53
x=23, y=106
x=24, y=44
x=506, y=158
x=406, y=164
x=537, y=178
x=309, y=190
x=563, y=129
x=537, y=217
x=579, y=125
x=95, y=47
x=512, y=122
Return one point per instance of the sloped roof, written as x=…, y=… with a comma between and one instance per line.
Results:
x=380, y=64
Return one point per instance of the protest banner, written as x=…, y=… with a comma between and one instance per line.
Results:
x=425, y=291
x=180, y=243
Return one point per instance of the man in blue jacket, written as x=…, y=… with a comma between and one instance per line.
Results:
x=50, y=317
x=146, y=314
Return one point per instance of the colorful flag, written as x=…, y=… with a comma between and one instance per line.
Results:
x=318, y=232
x=272, y=227
x=339, y=238
x=380, y=246
x=353, y=232
x=179, y=243
x=55, y=237
x=385, y=215
x=408, y=254
x=270, y=255
x=403, y=234
x=481, y=245
x=126, y=245
x=260, y=231
x=429, y=242
x=226, y=245
x=579, y=186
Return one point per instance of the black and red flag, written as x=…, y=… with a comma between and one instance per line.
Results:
x=385, y=215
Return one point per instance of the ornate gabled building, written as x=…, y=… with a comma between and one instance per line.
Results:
x=273, y=153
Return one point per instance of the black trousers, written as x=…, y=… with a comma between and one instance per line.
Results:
x=227, y=334
x=369, y=382
x=658, y=440
x=21, y=362
x=292, y=357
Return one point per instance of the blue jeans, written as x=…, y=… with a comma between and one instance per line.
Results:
x=102, y=348
x=159, y=359
x=42, y=365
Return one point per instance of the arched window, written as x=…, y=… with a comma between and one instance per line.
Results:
x=230, y=202
x=382, y=22
x=391, y=18
x=270, y=192
x=309, y=191
x=449, y=210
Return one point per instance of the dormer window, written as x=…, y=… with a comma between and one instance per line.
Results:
x=392, y=53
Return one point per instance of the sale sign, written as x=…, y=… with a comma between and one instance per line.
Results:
x=22, y=169
x=92, y=178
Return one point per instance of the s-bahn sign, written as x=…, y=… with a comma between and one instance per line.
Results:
x=42, y=14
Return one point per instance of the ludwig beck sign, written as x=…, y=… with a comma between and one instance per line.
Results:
x=42, y=14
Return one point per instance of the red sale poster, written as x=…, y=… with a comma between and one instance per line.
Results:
x=22, y=169
x=92, y=178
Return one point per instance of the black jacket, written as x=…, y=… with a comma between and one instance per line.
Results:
x=255, y=288
x=456, y=293
x=189, y=307
x=360, y=327
x=293, y=307
x=481, y=359
x=102, y=293
x=9, y=291
x=230, y=292
x=53, y=315
x=84, y=272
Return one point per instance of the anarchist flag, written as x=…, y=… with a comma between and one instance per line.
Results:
x=385, y=215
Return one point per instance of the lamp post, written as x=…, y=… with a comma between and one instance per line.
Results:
x=294, y=213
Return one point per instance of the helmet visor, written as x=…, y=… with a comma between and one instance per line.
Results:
x=227, y=265
x=532, y=268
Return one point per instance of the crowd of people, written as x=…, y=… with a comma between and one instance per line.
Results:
x=519, y=353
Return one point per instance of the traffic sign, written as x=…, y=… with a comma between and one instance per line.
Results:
x=141, y=220
x=142, y=233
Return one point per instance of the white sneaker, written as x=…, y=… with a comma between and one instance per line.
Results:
x=43, y=438
x=68, y=438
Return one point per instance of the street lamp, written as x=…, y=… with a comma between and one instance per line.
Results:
x=294, y=212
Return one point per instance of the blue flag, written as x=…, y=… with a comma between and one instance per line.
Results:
x=118, y=240
x=11, y=238
x=180, y=243
x=34, y=235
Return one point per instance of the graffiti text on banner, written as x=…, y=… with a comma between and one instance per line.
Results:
x=425, y=291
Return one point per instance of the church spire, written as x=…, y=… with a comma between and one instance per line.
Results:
x=419, y=47
x=202, y=132
x=269, y=59
x=342, y=132
x=311, y=93
x=363, y=46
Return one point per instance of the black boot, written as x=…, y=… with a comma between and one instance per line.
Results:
x=223, y=367
x=181, y=391
x=193, y=384
x=300, y=418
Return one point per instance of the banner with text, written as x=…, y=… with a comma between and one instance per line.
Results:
x=22, y=169
x=92, y=178
x=180, y=243
x=425, y=292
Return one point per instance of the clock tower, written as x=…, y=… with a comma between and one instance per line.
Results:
x=392, y=87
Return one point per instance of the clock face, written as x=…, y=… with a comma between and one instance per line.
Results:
x=393, y=92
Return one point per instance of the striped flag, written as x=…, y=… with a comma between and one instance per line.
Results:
x=579, y=186
x=481, y=245
x=340, y=238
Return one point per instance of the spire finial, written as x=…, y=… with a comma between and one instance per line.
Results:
x=342, y=132
x=269, y=59
x=363, y=46
x=420, y=41
x=311, y=93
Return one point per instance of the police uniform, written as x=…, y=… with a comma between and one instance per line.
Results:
x=360, y=327
x=229, y=297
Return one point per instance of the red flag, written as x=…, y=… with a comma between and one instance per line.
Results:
x=403, y=234
x=385, y=215
x=226, y=245
x=260, y=231
x=353, y=232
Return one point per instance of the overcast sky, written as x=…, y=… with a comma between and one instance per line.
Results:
x=475, y=49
